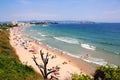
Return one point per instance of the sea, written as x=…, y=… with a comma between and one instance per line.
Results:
x=94, y=43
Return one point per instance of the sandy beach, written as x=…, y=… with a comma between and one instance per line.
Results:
x=26, y=48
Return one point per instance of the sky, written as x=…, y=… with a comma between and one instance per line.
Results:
x=92, y=10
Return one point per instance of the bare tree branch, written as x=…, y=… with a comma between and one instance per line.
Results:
x=41, y=53
x=43, y=68
x=51, y=72
x=34, y=59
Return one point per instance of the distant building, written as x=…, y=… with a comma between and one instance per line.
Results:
x=14, y=22
x=21, y=24
x=27, y=23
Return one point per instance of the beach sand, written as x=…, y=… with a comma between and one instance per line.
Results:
x=26, y=48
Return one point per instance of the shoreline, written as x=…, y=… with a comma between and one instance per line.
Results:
x=73, y=65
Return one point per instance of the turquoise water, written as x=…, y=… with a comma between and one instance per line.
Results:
x=95, y=43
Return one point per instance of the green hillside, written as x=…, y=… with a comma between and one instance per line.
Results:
x=10, y=66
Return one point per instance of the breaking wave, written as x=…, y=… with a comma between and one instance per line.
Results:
x=94, y=60
x=42, y=34
x=67, y=40
x=87, y=46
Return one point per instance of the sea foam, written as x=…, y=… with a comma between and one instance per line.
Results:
x=65, y=52
x=87, y=46
x=95, y=61
x=67, y=40
x=42, y=34
x=89, y=59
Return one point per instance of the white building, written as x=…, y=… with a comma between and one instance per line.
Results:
x=14, y=22
x=21, y=24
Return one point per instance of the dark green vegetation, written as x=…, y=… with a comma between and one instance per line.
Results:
x=6, y=26
x=81, y=77
x=101, y=73
x=10, y=66
x=107, y=73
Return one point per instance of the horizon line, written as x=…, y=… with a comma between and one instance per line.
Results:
x=62, y=20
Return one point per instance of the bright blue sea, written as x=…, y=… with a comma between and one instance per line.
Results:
x=94, y=43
